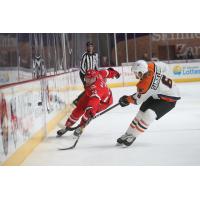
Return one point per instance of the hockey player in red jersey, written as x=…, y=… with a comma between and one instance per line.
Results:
x=155, y=91
x=97, y=97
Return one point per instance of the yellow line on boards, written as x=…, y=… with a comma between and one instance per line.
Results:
x=186, y=80
x=20, y=154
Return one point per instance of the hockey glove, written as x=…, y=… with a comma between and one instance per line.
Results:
x=89, y=112
x=126, y=100
x=110, y=68
x=123, y=101
x=116, y=73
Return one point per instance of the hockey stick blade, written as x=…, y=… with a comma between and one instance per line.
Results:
x=64, y=130
x=73, y=128
x=72, y=147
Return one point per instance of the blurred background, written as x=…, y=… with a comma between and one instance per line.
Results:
x=61, y=52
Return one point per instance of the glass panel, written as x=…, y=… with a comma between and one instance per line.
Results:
x=175, y=46
x=24, y=48
x=58, y=52
x=103, y=50
x=121, y=48
x=142, y=41
x=52, y=54
x=186, y=46
x=112, y=49
x=161, y=49
x=38, y=55
x=131, y=42
x=8, y=58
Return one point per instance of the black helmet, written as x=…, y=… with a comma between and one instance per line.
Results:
x=89, y=43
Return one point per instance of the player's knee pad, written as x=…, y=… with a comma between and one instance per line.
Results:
x=148, y=116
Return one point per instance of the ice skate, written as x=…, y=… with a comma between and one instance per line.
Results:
x=62, y=132
x=126, y=139
x=78, y=131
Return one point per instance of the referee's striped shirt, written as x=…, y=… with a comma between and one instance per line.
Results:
x=89, y=61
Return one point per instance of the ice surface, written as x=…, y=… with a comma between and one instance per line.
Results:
x=172, y=140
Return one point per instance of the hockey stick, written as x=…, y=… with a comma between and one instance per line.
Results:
x=105, y=111
x=64, y=130
x=73, y=146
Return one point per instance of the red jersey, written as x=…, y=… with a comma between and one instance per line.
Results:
x=99, y=92
x=97, y=97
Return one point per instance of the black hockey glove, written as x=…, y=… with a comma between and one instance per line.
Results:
x=123, y=101
x=117, y=75
x=110, y=68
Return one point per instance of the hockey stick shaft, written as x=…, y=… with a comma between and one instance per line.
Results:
x=99, y=114
x=105, y=111
x=73, y=146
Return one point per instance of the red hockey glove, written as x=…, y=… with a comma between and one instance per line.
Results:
x=116, y=73
x=89, y=112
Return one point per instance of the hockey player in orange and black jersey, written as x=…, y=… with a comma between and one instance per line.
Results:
x=97, y=97
x=155, y=91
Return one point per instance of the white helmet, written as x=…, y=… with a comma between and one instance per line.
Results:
x=140, y=67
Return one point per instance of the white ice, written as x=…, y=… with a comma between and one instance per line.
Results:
x=172, y=140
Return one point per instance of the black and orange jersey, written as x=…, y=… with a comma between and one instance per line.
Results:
x=144, y=84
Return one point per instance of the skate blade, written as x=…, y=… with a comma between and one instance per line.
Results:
x=118, y=144
x=121, y=145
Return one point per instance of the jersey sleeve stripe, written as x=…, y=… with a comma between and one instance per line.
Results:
x=107, y=73
x=95, y=95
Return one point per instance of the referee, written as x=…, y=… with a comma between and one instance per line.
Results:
x=89, y=60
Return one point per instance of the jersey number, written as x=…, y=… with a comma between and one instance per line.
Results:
x=167, y=81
